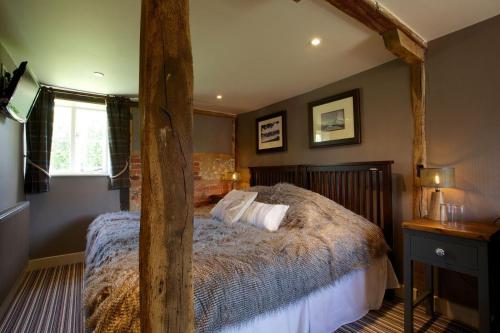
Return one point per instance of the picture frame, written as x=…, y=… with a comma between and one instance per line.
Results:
x=271, y=133
x=335, y=120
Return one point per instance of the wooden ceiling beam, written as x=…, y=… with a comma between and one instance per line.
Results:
x=403, y=47
x=376, y=17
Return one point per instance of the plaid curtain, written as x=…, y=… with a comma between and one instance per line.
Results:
x=118, y=110
x=38, y=143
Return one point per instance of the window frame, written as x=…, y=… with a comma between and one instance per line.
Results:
x=72, y=104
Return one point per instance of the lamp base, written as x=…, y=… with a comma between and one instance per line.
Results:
x=434, y=213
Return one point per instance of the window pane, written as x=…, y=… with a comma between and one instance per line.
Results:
x=60, y=157
x=79, y=139
x=90, y=141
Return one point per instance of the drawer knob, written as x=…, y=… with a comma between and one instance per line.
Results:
x=439, y=252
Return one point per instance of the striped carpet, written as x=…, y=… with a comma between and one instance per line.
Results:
x=389, y=319
x=49, y=300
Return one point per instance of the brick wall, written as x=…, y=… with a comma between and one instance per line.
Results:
x=135, y=182
x=208, y=171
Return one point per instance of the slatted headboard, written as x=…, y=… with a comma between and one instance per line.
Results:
x=362, y=187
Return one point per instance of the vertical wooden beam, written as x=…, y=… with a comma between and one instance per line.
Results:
x=417, y=87
x=166, y=90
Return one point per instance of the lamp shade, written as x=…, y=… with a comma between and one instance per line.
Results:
x=437, y=177
x=233, y=176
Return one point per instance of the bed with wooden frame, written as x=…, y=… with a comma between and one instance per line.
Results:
x=256, y=268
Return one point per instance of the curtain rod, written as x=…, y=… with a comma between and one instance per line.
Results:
x=80, y=93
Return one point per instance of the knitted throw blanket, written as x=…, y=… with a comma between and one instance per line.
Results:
x=239, y=271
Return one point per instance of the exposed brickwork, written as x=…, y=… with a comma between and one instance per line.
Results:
x=209, y=170
x=135, y=181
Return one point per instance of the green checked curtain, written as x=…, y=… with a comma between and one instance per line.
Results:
x=118, y=110
x=38, y=143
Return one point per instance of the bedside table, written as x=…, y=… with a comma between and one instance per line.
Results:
x=465, y=247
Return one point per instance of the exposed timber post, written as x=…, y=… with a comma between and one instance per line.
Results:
x=417, y=86
x=166, y=232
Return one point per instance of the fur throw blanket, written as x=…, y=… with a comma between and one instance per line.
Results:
x=239, y=271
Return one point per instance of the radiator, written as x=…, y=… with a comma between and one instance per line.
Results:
x=14, y=246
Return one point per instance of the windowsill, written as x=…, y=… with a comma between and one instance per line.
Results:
x=79, y=175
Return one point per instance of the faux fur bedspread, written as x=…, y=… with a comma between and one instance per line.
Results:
x=239, y=271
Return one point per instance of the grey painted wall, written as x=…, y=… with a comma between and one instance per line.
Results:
x=463, y=122
x=386, y=126
x=11, y=156
x=14, y=232
x=212, y=134
x=59, y=218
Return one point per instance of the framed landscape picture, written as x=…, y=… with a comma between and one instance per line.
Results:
x=335, y=120
x=271, y=133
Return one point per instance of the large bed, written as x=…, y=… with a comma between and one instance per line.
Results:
x=326, y=266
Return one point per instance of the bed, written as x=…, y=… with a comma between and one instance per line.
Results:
x=325, y=267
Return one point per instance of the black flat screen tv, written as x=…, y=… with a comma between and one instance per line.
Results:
x=20, y=94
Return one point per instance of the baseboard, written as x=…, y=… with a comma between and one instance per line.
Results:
x=4, y=306
x=449, y=309
x=64, y=259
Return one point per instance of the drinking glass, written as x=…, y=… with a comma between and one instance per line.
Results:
x=452, y=213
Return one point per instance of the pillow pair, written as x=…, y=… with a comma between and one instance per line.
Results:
x=241, y=205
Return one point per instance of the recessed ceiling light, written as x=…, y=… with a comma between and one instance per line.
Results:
x=219, y=96
x=315, y=41
x=98, y=74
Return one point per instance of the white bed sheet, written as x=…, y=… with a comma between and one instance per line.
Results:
x=328, y=309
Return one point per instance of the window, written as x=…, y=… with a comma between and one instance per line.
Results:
x=79, y=139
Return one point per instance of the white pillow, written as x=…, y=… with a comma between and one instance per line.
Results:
x=230, y=208
x=265, y=216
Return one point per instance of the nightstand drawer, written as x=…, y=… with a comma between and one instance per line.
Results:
x=444, y=251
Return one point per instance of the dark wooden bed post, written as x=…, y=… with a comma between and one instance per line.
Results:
x=166, y=90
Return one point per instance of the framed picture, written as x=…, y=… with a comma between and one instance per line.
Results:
x=335, y=120
x=271, y=133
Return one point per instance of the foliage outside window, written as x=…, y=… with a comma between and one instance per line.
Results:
x=79, y=139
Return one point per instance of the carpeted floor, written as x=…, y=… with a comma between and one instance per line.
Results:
x=389, y=319
x=49, y=300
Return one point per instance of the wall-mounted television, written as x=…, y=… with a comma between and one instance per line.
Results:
x=20, y=94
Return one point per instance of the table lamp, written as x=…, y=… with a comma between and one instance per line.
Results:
x=438, y=178
x=234, y=177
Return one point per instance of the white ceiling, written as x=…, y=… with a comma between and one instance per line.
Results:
x=253, y=52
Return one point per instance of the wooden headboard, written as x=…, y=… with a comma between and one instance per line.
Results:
x=362, y=187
